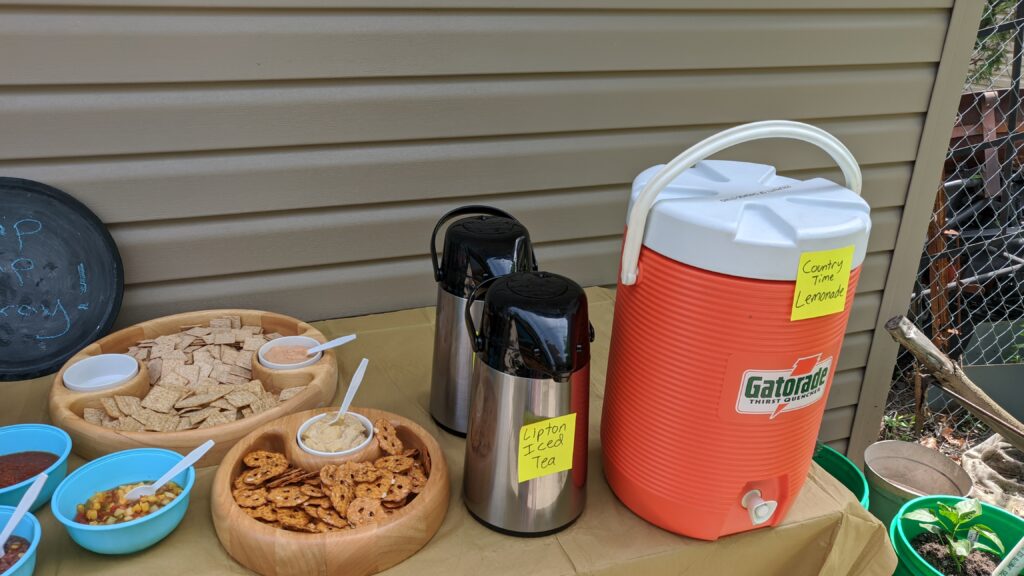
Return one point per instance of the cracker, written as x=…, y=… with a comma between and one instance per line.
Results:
x=289, y=393
x=161, y=399
x=241, y=372
x=215, y=419
x=253, y=343
x=173, y=380
x=178, y=355
x=110, y=406
x=241, y=398
x=129, y=424
x=155, y=368
x=220, y=323
x=387, y=437
x=128, y=405
x=190, y=372
x=94, y=416
x=261, y=405
x=161, y=350
x=197, y=400
x=244, y=359
x=363, y=511
x=199, y=417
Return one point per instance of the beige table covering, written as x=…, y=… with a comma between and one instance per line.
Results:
x=826, y=531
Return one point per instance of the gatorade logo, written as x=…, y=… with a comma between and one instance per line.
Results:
x=776, y=391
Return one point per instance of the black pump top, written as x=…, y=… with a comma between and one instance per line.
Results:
x=533, y=325
x=490, y=244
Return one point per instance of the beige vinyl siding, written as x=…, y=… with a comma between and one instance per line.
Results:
x=294, y=154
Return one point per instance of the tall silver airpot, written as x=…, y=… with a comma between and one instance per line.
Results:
x=484, y=243
x=526, y=451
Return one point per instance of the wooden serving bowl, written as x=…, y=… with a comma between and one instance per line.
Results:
x=359, y=551
x=92, y=441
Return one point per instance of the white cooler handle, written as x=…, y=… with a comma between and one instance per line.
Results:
x=714, y=144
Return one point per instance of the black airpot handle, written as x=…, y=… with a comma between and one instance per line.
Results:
x=461, y=211
x=475, y=340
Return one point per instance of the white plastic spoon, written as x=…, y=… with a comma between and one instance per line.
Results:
x=330, y=344
x=23, y=505
x=190, y=459
x=353, y=387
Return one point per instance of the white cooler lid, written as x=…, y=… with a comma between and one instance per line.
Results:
x=744, y=220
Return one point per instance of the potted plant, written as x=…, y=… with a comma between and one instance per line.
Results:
x=952, y=536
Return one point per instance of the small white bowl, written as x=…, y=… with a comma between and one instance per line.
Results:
x=100, y=372
x=362, y=420
x=304, y=341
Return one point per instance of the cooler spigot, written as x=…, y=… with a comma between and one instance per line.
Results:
x=760, y=510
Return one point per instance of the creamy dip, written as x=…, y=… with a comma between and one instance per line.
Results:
x=286, y=354
x=337, y=437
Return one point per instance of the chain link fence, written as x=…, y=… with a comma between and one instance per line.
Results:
x=968, y=295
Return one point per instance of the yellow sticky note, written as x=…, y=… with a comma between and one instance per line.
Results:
x=545, y=447
x=822, y=282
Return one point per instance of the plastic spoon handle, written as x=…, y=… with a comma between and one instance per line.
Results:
x=184, y=463
x=331, y=344
x=353, y=387
x=26, y=502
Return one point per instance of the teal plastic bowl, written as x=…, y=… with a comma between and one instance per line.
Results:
x=844, y=470
x=1009, y=527
x=35, y=437
x=28, y=529
x=129, y=466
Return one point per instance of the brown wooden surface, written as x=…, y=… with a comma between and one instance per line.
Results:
x=91, y=441
x=359, y=551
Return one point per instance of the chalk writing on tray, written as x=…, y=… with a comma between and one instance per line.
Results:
x=83, y=286
x=39, y=309
x=26, y=227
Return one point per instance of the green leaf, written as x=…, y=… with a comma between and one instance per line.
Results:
x=986, y=548
x=934, y=529
x=921, y=515
x=949, y=513
x=968, y=508
x=989, y=533
x=960, y=547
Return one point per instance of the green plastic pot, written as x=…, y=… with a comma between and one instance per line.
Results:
x=844, y=470
x=1009, y=527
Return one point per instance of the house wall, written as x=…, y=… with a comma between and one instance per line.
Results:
x=294, y=154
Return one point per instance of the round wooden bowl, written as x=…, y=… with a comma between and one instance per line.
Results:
x=92, y=441
x=359, y=551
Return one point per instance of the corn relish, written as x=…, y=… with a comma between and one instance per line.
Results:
x=111, y=506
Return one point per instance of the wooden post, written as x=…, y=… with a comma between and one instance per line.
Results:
x=952, y=376
x=940, y=272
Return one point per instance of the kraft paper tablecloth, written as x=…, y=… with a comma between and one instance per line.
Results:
x=826, y=532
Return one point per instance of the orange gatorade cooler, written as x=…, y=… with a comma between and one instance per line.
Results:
x=734, y=292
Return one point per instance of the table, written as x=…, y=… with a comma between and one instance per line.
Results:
x=826, y=532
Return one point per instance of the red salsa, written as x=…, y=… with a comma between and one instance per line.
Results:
x=13, y=551
x=21, y=466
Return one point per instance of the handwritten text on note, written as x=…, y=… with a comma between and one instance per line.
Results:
x=822, y=281
x=545, y=447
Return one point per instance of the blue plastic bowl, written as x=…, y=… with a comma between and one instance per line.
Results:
x=28, y=529
x=110, y=471
x=35, y=437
